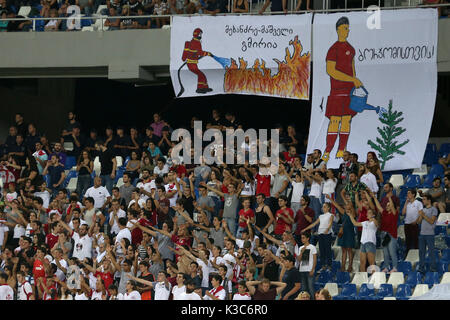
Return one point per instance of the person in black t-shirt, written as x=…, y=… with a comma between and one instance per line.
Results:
x=90, y=143
x=122, y=144
x=149, y=137
x=21, y=126
x=18, y=150
x=77, y=139
x=290, y=276
x=108, y=166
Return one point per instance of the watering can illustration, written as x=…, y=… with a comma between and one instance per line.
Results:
x=359, y=103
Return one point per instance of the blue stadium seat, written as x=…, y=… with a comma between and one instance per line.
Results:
x=444, y=149
x=70, y=162
x=402, y=195
x=442, y=267
x=428, y=180
x=447, y=241
x=413, y=278
x=404, y=291
x=335, y=266
x=342, y=277
x=431, y=278
x=437, y=169
x=386, y=290
x=405, y=267
x=348, y=291
x=70, y=175
x=431, y=156
x=436, y=256
x=47, y=180
x=324, y=277
x=431, y=147
x=366, y=292
x=440, y=230
x=126, y=161
x=445, y=255
x=412, y=181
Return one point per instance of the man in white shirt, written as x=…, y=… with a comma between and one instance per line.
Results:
x=6, y=292
x=217, y=292
x=83, y=241
x=171, y=188
x=146, y=185
x=369, y=179
x=190, y=293
x=24, y=289
x=123, y=233
x=57, y=255
x=161, y=167
x=99, y=193
x=162, y=287
x=180, y=287
x=114, y=215
x=411, y=211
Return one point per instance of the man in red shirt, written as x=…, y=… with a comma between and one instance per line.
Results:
x=341, y=69
x=305, y=216
x=244, y=213
x=38, y=266
x=284, y=218
x=263, y=183
x=52, y=238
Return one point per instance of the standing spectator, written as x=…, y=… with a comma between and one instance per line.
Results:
x=291, y=276
x=298, y=186
x=373, y=164
x=389, y=218
x=22, y=127
x=245, y=213
x=305, y=216
x=82, y=241
x=368, y=239
x=284, y=217
x=427, y=219
x=389, y=194
x=306, y=256
x=325, y=221
x=346, y=235
x=263, y=215
x=368, y=178
x=126, y=189
x=77, y=139
x=411, y=210
x=353, y=187
x=58, y=151
x=445, y=206
x=6, y=292
x=18, y=150
x=329, y=187
x=437, y=193
x=108, y=166
x=56, y=173
x=40, y=156
x=100, y=194
x=315, y=194
x=85, y=167
x=32, y=138
x=158, y=124
x=279, y=184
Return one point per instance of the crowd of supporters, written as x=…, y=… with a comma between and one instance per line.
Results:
x=143, y=226
x=138, y=9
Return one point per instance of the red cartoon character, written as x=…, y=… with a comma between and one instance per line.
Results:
x=191, y=54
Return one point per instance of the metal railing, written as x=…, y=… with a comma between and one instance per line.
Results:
x=99, y=19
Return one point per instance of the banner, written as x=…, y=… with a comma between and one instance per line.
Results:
x=374, y=86
x=259, y=55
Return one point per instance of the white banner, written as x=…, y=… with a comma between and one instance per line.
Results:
x=391, y=55
x=259, y=55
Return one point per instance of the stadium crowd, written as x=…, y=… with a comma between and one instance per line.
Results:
x=143, y=226
x=136, y=10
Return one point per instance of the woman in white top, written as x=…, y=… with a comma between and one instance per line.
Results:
x=329, y=186
x=298, y=186
x=131, y=293
x=325, y=221
x=368, y=238
x=315, y=194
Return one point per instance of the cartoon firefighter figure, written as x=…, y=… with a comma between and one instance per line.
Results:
x=191, y=55
x=340, y=66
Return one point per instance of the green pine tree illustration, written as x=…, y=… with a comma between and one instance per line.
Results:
x=388, y=144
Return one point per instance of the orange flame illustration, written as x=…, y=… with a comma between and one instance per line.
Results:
x=291, y=80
